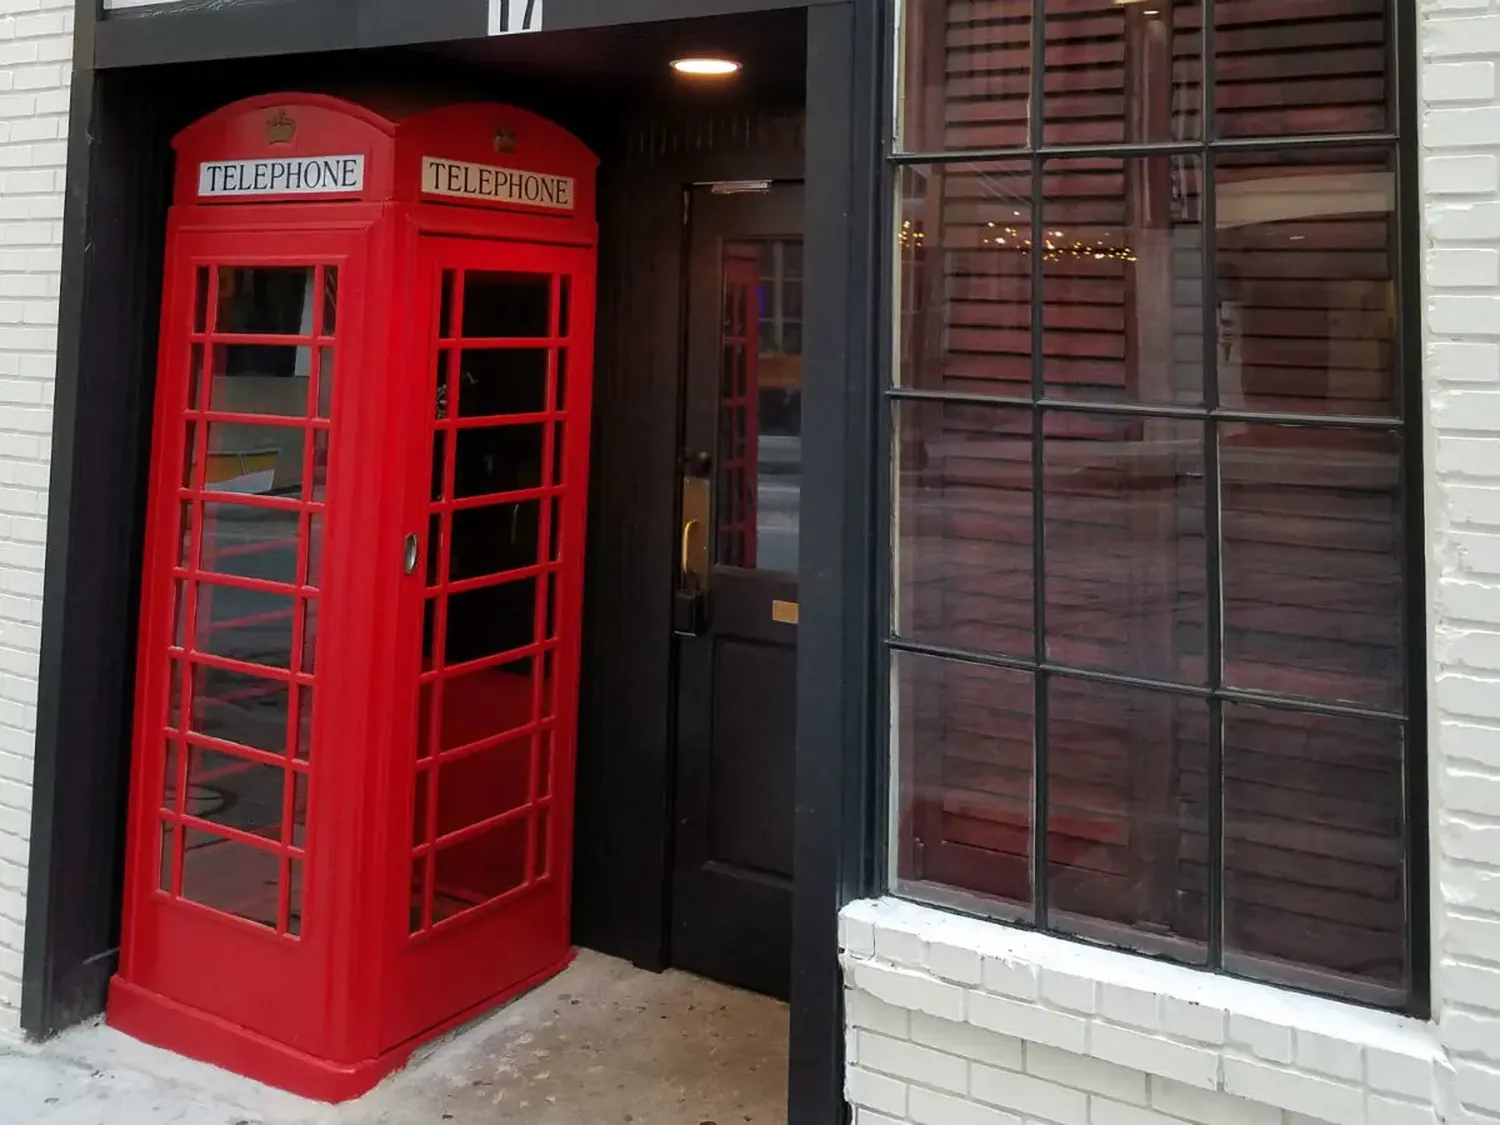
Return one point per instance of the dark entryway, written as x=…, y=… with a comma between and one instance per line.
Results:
x=736, y=609
x=809, y=67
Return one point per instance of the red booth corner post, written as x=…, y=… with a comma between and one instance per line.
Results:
x=351, y=801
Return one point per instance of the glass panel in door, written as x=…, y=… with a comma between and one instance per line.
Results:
x=256, y=430
x=486, y=699
x=759, y=477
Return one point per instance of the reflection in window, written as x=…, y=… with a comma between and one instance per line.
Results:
x=759, y=475
x=1150, y=515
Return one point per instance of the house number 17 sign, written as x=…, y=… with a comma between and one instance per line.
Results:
x=515, y=17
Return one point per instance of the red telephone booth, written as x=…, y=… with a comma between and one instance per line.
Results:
x=351, y=794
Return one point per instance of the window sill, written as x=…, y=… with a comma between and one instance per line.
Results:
x=1308, y=1055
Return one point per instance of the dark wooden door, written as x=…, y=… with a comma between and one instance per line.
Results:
x=737, y=602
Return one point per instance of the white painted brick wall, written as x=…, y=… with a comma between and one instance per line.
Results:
x=1061, y=1033
x=36, y=52
x=1460, y=46
x=1079, y=1036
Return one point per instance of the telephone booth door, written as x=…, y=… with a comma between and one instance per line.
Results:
x=491, y=645
x=234, y=649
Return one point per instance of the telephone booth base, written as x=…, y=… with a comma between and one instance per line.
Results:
x=199, y=1035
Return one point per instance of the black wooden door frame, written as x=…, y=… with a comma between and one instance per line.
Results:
x=106, y=344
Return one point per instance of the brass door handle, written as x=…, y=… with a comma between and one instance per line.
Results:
x=687, y=546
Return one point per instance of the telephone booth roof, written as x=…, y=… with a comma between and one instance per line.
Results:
x=309, y=148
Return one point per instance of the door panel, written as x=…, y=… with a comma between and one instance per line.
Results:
x=737, y=631
x=492, y=657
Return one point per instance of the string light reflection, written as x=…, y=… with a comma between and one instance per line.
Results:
x=1055, y=247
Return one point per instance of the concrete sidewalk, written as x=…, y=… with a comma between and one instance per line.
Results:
x=601, y=1044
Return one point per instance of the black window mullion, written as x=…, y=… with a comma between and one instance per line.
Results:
x=1038, y=535
x=1208, y=128
x=1213, y=546
x=1035, y=137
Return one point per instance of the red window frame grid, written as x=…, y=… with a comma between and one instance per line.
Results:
x=188, y=576
x=449, y=344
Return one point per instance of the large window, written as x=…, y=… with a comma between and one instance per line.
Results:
x=1152, y=427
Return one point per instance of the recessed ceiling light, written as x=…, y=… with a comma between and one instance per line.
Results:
x=706, y=66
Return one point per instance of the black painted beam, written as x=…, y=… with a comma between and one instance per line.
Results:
x=181, y=31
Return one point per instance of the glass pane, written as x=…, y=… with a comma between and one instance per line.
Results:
x=195, y=378
x=254, y=460
x=300, y=783
x=315, y=487
x=964, y=739
x=174, y=694
x=966, y=77
x=314, y=574
x=963, y=527
x=502, y=381
x=236, y=793
x=330, y=300
x=474, y=787
x=486, y=704
x=497, y=459
x=549, y=684
x=294, y=900
x=965, y=278
x=200, y=299
x=507, y=304
x=449, y=286
x=235, y=878
x=493, y=539
x=179, y=613
x=564, y=307
x=325, y=382
x=309, y=635
x=266, y=300
x=246, y=625
x=1313, y=831
x=443, y=375
x=260, y=379
x=471, y=873
x=303, y=749
x=1124, y=552
x=1122, y=310
x=491, y=620
x=1314, y=68
x=1127, y=72
x=250, y=542
x=185, y=534
x=171, y=777
x=1306, y=268
x=759, y=466
x=191, y=438
x=1127, y=817
x=544, y=764
x=166, y=855
x=234, y=707
x=1313, y=541
x=420, y=817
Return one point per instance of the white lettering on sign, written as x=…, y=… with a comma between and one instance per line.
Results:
x=504, y=185
x=515, y=17
x=294, y=175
